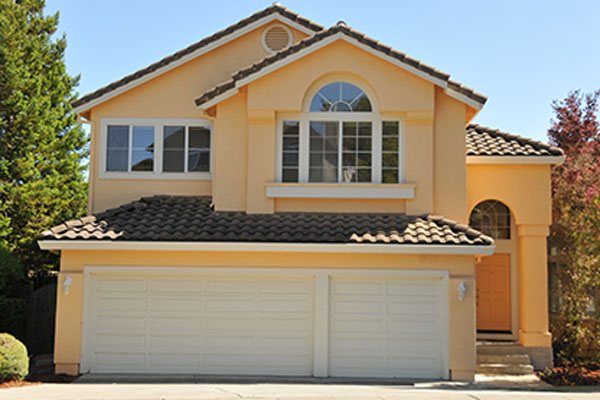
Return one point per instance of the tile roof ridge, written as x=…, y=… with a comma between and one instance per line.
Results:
x=274, y=8
x=347, y=30
x=494, y=131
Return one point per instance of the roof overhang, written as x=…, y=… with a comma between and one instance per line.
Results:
x=202, y=50
x=512, y=160
x=268, y=247
x=238, y=83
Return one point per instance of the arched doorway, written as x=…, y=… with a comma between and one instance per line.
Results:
x=493, y=273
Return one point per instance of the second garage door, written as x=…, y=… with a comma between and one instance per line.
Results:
x=386, y=327
x=201, y=324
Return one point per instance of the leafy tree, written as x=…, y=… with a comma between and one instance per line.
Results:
x=575, y=232
x=41, y=144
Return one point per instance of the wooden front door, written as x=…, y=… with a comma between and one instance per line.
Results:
x=493, y=293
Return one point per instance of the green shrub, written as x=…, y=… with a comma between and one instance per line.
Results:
x=13, y=294
x=14, y=363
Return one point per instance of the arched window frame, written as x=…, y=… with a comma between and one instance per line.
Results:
x=372, y=116
x=496, y=211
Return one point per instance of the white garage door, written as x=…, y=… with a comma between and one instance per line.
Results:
x=206, y=324
x=386, y=327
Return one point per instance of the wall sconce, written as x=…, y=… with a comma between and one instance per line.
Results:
x=462, y=290
x=67, y=285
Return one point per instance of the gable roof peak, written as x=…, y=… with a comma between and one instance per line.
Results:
x=129, y=81
x=453, y=88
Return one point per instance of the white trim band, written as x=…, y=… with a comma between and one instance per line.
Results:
x=553, y=160
x=268, y=247
x=343, y=191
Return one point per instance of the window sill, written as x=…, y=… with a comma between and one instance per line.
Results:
x=340, y=190
x=157, y=176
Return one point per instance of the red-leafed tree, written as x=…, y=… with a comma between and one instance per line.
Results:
x=575, y=232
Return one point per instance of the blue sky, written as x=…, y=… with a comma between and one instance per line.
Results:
x=521, y=54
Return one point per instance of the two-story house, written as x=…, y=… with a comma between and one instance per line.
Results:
x=285, y=199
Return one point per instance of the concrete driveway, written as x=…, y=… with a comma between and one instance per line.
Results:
x=270, y=391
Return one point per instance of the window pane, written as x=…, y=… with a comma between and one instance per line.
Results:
x=173, y=160
x=117, y=149
x=174, y=138
x=290, y=175
x=340, y=97
x=199, y=137
x=492, y=218
x=199, y=149
x=143, y=137
x=390, y=151
x=142, y=160
x=390, y=176
x=173, y=148
x=116, y=160
x=323, y=152
x=290, y=151
x=142, y=152
x=118, y=137
x=356, y=155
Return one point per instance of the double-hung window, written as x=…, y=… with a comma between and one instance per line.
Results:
x=155, y=148
x=340, y=139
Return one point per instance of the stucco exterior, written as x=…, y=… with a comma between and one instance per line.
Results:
x=244, y=164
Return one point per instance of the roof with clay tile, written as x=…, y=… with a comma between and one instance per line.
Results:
x=193, y=219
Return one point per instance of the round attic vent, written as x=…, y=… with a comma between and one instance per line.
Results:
x=276, y=37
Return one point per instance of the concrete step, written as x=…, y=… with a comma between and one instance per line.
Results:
x=498, y=348
x=504, y=369
x=509, y=359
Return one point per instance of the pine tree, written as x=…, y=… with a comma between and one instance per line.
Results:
x=42, y=147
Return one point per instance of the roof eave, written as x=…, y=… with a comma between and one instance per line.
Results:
x=275, y=16
x=521, y=160
x=376, y=248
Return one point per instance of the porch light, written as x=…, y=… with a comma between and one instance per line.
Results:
x=67, y=285
x=462, y=290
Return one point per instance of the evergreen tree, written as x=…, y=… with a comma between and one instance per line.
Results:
x=42, y=147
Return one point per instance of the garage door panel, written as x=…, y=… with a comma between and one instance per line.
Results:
x=236, y=305
x=358, y=287
x=411, y=288
x=119, y=323
x=284, y=305
x=351, y=306
x=360, y=346
x=231, y=323
x=214, y=324
x=175, y=286
x=182, y=303
x=121, y=285
x=104, y=342
x=358, y=325
x=227, y=287
x=284, y=324
x=401, y=338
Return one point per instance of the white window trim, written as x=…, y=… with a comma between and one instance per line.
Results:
x=304, y=142
x=157, y=173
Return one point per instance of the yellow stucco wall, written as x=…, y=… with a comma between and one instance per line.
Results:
x=526, y=191
x=171, y=95
x=69, y=315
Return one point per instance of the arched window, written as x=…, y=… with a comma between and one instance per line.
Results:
x=340, y=97
x=492, y=218
x=340, y=139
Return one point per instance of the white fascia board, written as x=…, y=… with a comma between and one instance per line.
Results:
x=464, y=99
x=267, y=247
x=192, y=55
x=345, y=192
x=524, y=160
